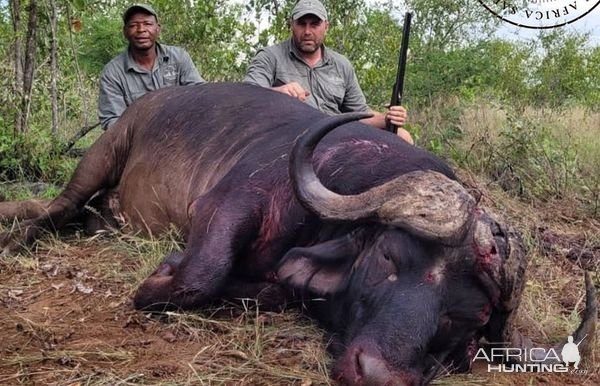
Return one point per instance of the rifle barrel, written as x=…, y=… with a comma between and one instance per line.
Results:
x=399, y=85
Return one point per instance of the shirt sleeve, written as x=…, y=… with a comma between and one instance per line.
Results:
x=354, y=99
x=262, y=70
x=111, y=100
x=188, y=73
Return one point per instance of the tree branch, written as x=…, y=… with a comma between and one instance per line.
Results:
x=80, y=134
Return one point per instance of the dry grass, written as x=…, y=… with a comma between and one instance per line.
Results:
x=145, y=252
x=70, y=322
x=253, y=346
x=575, y=124
x=539, y=155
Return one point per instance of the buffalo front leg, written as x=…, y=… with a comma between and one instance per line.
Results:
x=220, y=229
x=266, y=294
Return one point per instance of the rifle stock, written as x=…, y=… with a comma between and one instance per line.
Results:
x=399, y=85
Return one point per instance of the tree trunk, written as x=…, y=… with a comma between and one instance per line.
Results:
x=15, y=15
x=53, y=66
x=29, y=67
x=84, y=100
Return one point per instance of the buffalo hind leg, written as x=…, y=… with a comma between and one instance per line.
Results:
x=99, y=214
x=102, y=213
x=11, y=211
x=100, y=168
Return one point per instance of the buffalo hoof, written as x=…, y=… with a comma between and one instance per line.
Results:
x=9, y=246
x=153, y=293
x=18, y=239
x=168, y=266
x=174, y=259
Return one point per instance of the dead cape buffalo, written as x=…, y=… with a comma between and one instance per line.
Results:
x=413, y=274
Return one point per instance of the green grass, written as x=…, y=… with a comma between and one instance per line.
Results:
x=144, y=253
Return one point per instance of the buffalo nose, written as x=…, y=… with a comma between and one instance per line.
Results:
x=375, y=372
x=372, y=370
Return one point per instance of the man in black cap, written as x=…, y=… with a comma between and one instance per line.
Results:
x=304, y=68
x=145, y=66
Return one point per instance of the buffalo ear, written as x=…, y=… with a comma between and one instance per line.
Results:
x=322, y=269
x=512, y=281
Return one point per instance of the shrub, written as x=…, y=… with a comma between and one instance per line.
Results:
x=34, y=156
x=536, y=154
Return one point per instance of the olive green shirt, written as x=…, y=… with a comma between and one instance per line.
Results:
x=332, y=83
x=123, y=80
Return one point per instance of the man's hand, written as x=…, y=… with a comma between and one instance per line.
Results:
x=396, y=115
x=293, y=89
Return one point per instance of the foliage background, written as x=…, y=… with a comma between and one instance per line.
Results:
x=522, y=114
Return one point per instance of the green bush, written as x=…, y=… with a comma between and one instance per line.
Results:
x=99, y=41
x=34, y=156
x=531, y=162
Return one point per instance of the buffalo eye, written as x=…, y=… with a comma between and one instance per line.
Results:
x=445, y=323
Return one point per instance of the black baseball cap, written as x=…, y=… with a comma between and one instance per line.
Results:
x=144, y=8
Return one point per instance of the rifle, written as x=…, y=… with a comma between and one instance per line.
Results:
x=399, y=85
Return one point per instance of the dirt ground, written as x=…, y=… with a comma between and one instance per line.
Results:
x=66, y=319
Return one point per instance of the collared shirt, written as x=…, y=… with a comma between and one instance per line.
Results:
x=332, y=83
x=123, y=80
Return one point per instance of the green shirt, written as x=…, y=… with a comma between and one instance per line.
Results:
x=123, y=80
x=332, y=83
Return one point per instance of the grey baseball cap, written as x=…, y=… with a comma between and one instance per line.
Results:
x=144, y=8
x=309, y=7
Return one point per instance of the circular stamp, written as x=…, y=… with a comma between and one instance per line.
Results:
x=539, y=14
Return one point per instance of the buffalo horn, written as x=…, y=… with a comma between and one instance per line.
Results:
x=425, y=203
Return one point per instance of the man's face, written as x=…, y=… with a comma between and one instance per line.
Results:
x=309, y=33
x=141, y=31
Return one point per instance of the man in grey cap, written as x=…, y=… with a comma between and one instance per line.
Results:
x=145, y=66
x=304, y=68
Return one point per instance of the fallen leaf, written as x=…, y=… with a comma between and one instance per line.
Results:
x=57, y=286
x=83, y=289
x=169, y=337
x=14, y=294
x=50, y=270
